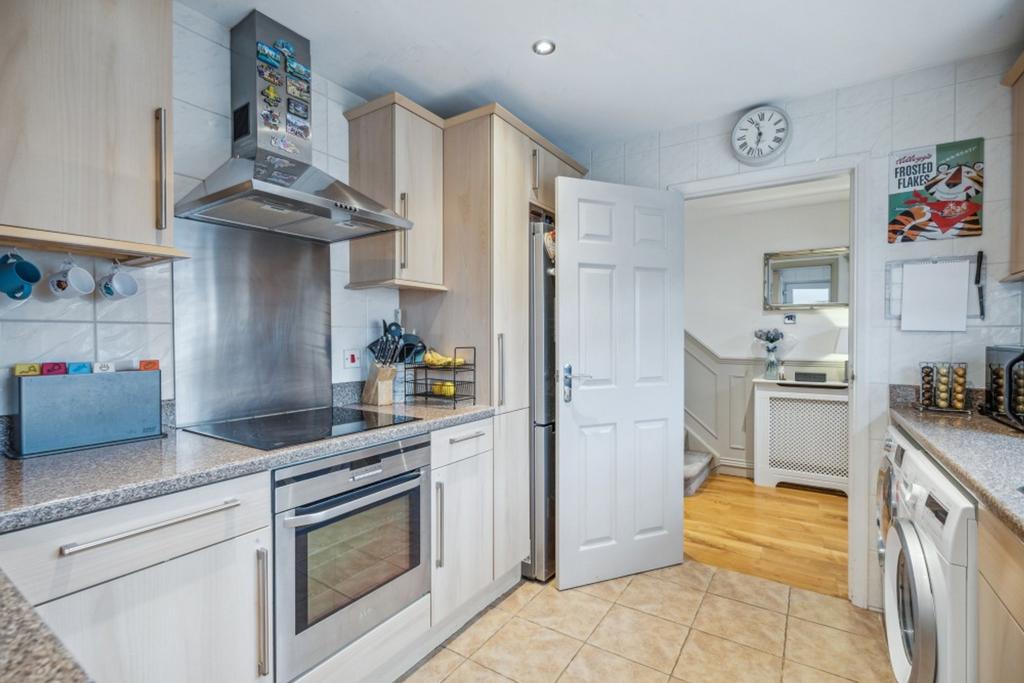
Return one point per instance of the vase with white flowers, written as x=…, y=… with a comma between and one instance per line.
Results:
x=770, y=339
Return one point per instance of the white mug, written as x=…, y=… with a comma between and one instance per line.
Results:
x=71, y=281
x=118, y=285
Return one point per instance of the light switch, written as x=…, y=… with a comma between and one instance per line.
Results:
x=352, y=358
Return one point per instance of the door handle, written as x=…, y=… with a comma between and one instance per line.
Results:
x=262, y=613
x=468, y=437
x=501, y=369
x=404, y=200
x=567, y=378
x=439, y=489
x=161, y=200
x=536, y=170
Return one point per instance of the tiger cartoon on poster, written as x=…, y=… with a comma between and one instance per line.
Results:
x=936, y=192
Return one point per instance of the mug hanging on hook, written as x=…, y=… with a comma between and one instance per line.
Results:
x=118, y=284
x=71, y=280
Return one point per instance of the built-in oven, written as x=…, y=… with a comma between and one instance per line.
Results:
x=352, y=547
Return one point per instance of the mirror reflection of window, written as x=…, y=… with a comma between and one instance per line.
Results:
x=809, y=278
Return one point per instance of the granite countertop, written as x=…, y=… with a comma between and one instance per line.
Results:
x=986, y=456
x=53, y=487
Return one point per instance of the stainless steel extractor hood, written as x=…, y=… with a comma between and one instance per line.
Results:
x=270, y=182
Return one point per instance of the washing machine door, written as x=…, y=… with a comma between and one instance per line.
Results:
x=885, y=502
x=909, y=606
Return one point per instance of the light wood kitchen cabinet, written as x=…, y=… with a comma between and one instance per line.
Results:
x=1000, y=601
x=203, y=616
x=86, y=137
x=546, y=168
x=462, y=511
x=396, y=151
x=1015, y=79
x=511, y=490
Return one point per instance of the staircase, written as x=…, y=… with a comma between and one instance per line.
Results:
x=696, y=468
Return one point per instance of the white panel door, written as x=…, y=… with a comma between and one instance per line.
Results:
x=620, y=411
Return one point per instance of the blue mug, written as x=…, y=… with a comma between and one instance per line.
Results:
x=17, y=276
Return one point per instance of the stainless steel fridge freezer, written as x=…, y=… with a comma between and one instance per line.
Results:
x=543, y=380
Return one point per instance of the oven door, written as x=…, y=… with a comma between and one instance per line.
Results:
x=346, y=564
x=910, y=627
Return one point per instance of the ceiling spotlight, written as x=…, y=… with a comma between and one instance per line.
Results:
x=544, y=46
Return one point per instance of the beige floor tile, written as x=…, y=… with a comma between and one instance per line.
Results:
x=527, y=652
x=849, y=655
x=751, y=589
x=477, y=633
x=574, y=614
x=662, y=599
x=690, y=573
x=834, y=612
x=592, y=665
x=437, y=667
x=710, y=659
x=606, y=590
x=640, y=637
x=520, y=596
x=471, y=672
x=745, y=624
x=798, y=673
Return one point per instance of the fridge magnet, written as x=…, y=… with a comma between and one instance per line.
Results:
x=267, y=54
x=79, y=368
x=297, y=69
x=935, y=192
x=269, y=74
x=55, y=368
x=297, y=88
x=296, y=126
x=271, y=119
x=284, y=144
x=149, y=365
x=103, y=367
x=298, y=107
x=27, y=369
x=285, y=47
x=271, y=96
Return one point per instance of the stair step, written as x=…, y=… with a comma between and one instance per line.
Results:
x=696, y=467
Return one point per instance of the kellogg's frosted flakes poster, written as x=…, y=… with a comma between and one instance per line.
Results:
x=935, y=193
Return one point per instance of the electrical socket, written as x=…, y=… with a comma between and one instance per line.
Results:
x=353, y=358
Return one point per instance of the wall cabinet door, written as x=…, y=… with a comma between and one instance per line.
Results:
x=203, y=616
x=549, y=167
x=418, y=195
x=462, y=511
x=510, y=381
x=511, y=490
x=79, y=141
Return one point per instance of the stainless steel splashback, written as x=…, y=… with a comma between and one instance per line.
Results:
x=252, y=325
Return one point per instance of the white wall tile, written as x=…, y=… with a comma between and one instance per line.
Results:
x=605, y=151
x=339, y=258
x=343, y=338
x=348, y=306
x=338, y=168
x=321, y=126
x=865, y=128
x=969, y=347
x=183, y=184
x=995, y=233
x=814, y=137
x=380, y=304
x=337, y=131
x=608, y=170
x=201, y=24
x=347, y=98
x=678, y=163
x=878, y=410
x=714, y=157
x=984, y=108
x=39, y=342
x=202, y=140
x=125, y=344
x=924, y=79
x=678, y=135
x=1003, y=300
x=642, y=169
x=908, y=349
x=43, y=305
x=641, y=143
x=152, y=304
x=715, y=127
x=998, y=168
x=202, y=71
x=816, y=104
x=865, y=93
x=319, y=82
x=923, y=118
x=994, y=64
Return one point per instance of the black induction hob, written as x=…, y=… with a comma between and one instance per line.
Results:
x=290, y=429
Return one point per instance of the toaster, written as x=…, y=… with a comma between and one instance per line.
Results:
x=1004, y=384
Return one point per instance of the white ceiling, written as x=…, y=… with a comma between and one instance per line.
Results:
x=624, y=68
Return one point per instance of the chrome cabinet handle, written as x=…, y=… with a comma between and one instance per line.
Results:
x=404, y=200
x=439, y=489
x=364, y=475
x=567, y=378
x=72, y=548
x=299, y=521
x=536, y=170
x=161, y=202
x=262, y=613
x=467, y=437
x=501, y=369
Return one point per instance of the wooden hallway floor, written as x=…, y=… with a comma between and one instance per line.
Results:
x=793, y=535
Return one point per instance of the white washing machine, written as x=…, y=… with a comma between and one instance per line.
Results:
x=930, y=576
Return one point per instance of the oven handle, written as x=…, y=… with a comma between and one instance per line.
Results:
x=299, y=521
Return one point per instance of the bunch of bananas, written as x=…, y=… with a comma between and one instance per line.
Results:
x=434, y=359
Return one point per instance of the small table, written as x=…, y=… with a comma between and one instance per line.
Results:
x=801, y=433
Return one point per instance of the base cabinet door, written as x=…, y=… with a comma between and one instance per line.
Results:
x=1000, y=639
x=511, y=490
x=462, y=515
x=203, y=616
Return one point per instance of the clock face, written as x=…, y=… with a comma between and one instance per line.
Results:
x=760, y=136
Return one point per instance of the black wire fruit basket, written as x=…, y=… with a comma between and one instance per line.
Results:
x=448, y=380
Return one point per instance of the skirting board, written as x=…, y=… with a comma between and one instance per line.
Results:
x=340, y=666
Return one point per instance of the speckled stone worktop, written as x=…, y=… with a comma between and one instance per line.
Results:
x=53, y=487
x=984, y=455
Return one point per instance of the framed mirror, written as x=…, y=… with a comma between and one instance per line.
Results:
x=811, y=278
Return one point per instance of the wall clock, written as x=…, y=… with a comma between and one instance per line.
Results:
x=761, y=135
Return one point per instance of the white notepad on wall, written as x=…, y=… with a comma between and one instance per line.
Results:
x=935, y=296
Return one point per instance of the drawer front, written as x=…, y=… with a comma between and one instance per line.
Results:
x=51, y=560
x=463, y=441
